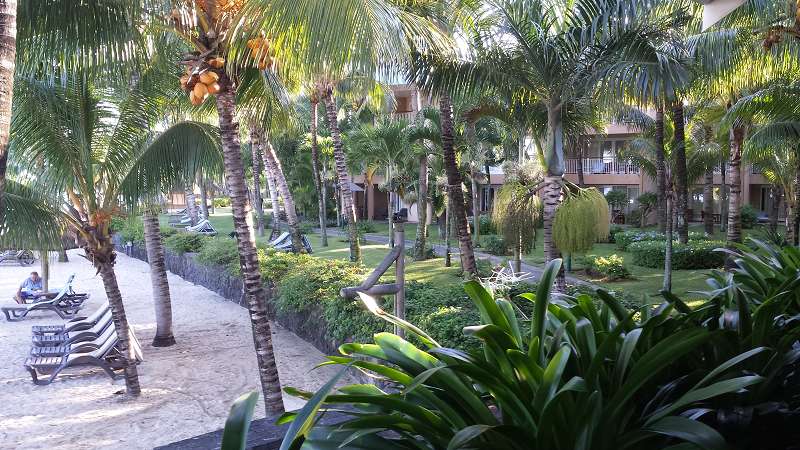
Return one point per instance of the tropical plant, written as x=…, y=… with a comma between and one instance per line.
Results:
x=516, y=213
x=158, y=276
x=530, y=388
x=97, y=150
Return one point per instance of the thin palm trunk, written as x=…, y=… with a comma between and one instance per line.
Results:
x=258, y=202
x=476, y=216
x=211, y=195
x=318, y=185
x=8, y=51
x=348, y=210
x=191, y=204
x=203, y=195
x=579, y=162
x=103, y=258
x=723, y=189
x=681, y=174
x=455, y=193
x=242, y=221
x=667, y=286
x=552, y=186
x=276, y=206
x=45, y=261
x=734, y=233
x=158, y=277
x=273, y=164
x=422, y=209
x=795, y=214
x=777, y=195
x=447, y=228
x=661, y=170
x=708, y=202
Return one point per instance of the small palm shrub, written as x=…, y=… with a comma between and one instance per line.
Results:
x=693, y=255
x=486, y=225
x=749, y=216
x=611, y=268
x=183, y=242
x=495, y=245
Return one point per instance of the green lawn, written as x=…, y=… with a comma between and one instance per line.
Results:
x=645, y=282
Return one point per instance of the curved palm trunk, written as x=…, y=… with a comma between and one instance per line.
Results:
x=455, y=193
x=191, y=204
x=8, y=52
x=317, y=178
x=158, y=276
x=554, y=156
x=681, y=175
x=734, y=234
x=273, y=165
x=242, y=221
x=258, y=202
x=661, y=171
x=422, y=210
x=348, y=211
x=708, y=202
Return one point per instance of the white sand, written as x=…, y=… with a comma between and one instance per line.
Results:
x=187, y=389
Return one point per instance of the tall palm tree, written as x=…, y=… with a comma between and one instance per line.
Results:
x=553, y=53
x=158, y=276
x=209, y=36
x=96, y=149
x=274, y=167
x=426, y=132
x=318, y=181
x=59, y=38
x=258, y=203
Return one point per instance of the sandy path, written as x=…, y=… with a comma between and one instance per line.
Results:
x=187, y=388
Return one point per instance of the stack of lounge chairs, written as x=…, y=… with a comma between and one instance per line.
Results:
x=284, y=243
x=203, y=227
x=66, y=304
x=83, y=342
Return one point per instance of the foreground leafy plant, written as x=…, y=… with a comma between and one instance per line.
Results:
x=583, y=376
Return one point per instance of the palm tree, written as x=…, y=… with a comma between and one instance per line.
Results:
x=554, y=53
x=96, y=149
x=318, y=181
x=258, y=202
x=61, y=37
x=274, y=167
x=210, y=38
x=158, y=275
x=425, y=131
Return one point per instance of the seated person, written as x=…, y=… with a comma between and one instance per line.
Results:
x=31, y=287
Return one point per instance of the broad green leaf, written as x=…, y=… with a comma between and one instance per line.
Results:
x=689, y=430
x=234, y=436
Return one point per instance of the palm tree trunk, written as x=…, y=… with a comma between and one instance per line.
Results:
x=103, y=258
x=273, y=165
x=681, y=175
x=667, y=286
x=708, y=202
x=258, y=201
x=796, y=213
x=579, y=164
x=554, y=155
x=203, y=195
x=318, y=185
x=8, y=52
x=518, y=254
x=211, y=195
x=734, y=234
x=422, y=209
x=348, y=211
x=191, y=204
x=447, y=228
x=777, y=194
x=45, y=261
x=476, y=223
x=242, y=221
x=454, y=182
x=723, y=189
x=276, y=206
x=661, y=171
x=158, y=276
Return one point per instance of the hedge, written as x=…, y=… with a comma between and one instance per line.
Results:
x=626, y=238
x=610, y=267
x=186, y=242
x=694, y=255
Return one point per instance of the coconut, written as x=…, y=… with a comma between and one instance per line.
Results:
x=196, y=101
x=208, y=77
x=185, y=82
x=200, y=90
x=213, y=88
x=216, y=63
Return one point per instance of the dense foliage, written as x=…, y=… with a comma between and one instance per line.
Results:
x=749, y=216
x=698, y=254
x=625, y=238
x=495, y=245
x=181, y=243
x=611, y=268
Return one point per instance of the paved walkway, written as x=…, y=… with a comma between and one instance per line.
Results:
x=534, y=272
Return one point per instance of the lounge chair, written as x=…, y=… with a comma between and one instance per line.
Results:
x=286, y=245
x=67, y=289
x=106, y=356
x=76, y=324
x=77, y=346
x=66, y=306
x=279, y=240
x=203, y=227
x=46, y=340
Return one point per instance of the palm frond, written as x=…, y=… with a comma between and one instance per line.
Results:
x=29, y=220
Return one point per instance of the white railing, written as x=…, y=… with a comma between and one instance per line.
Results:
x=407, y=116
x=602, y=166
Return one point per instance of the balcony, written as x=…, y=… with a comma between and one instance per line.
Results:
x=602, y=166
x=409, y=116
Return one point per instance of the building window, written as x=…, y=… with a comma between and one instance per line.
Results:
x=404, y=104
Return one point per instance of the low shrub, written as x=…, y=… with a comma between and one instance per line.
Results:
x=634, y=218
x=428, y=253
x=613, y=231
x=220, y=252
x=749, y=216
x=183, y=242
x=486, y=225
x=626, y=238
x=495, y=245
x=167, y=232
x=129, y=229
x=697, y=254
x=275, y=265
x=222, y=202
x=485, y=267
x=611, y=267
x=366, y=226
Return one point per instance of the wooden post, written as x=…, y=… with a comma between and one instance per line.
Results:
x=399, y=270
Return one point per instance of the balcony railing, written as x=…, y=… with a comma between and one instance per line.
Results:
x=602, y=166
x=407, y=116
